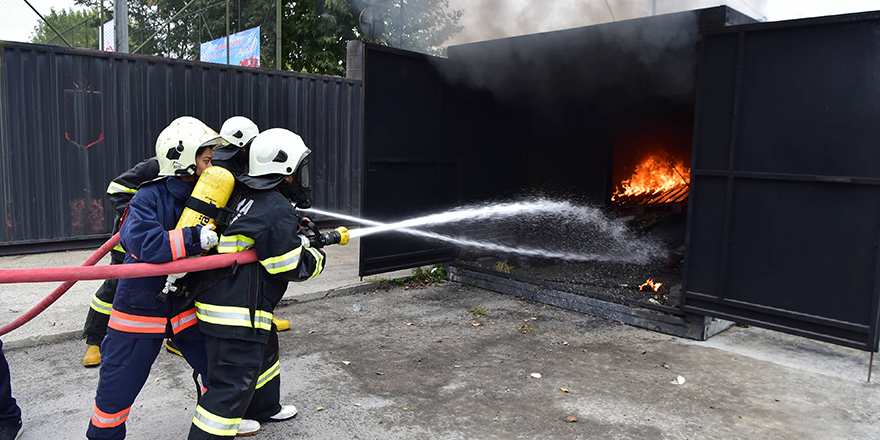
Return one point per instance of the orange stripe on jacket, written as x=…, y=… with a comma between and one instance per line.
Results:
x=178, y=248
x=184, y=321
x=125, y=322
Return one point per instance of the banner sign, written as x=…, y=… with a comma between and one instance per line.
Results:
x=108, y=30
x=244, y=49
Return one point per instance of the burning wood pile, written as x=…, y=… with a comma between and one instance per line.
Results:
x=658, y=180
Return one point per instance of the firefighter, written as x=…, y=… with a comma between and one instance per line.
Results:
x=240, y=131
x=138, y=319
x=235, y=314
x=10, y=413
x=119, y=192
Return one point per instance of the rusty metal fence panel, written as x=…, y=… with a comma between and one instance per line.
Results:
x=72, y=119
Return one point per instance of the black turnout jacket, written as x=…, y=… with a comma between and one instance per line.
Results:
x=240, y=304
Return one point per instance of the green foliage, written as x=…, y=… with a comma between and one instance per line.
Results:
x=79, y=28
x=434, y=274
x=502, y=266
x=478, y=310
x=419, y=25
x=314, y=33
x=419, y=278
x=527, y=329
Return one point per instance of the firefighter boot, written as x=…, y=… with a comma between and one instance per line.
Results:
x=281, y=324
x=93, y=356
x=287, y=412
x=248, y=427
x=10, y=432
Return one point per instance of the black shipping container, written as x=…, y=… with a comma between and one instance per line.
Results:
x=783, y=227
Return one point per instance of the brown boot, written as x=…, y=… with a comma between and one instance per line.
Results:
x=281, y=324
x=93, y=356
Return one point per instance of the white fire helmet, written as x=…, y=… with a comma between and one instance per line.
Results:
x=177, y=144
x=184, y=120
x=238, y=131
x=279, y=151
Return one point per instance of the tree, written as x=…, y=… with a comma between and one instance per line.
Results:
x=79, y=28
x=420, y=25
x=313, y=32
x=314, y=35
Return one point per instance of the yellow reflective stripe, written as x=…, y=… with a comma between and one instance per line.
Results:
x=233, y=316
x=282, y=263
x=115, y=188
x=101, y=306
x=234, y=243
x=319, y=262
x=214, y=424
x=118, y=248
x=269, y=374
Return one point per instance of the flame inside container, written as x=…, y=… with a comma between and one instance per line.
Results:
x=657, y=173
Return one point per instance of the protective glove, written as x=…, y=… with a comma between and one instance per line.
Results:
x=305, y=241
x=207, y=237
x=170, y=282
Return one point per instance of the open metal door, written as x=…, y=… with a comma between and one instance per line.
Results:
x=784, y=219
x=409, y=160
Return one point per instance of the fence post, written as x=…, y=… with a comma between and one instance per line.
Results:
x=278, y=34
x=120, y=18
x=227, y=32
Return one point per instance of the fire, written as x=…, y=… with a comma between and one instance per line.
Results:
x=656, y=174
x=650, y=284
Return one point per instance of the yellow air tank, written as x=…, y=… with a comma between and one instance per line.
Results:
x=213, y=188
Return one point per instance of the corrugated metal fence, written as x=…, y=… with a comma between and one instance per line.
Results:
x=71, y=120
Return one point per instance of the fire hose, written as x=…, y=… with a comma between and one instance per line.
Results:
x=88, y=271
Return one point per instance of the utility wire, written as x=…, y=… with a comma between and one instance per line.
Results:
x=95, y=14
x=173, y=17
x=48, y=24
x=763, y=17
x=609, y=10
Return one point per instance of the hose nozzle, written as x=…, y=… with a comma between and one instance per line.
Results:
x=344, y=236
x=339, y=236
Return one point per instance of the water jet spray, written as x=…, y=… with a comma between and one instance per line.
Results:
x=627, y=248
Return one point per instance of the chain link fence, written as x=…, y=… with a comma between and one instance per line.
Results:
x=195, y=30
x=203, y=29
x=46, y=22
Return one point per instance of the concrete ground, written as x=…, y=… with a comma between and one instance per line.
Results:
x=363, y=363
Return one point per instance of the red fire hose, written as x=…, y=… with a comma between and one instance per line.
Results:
x=88, y=271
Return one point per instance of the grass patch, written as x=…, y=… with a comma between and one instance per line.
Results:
x=478, y=310
x=502, y=266
x=419, y=278
x=527, y=329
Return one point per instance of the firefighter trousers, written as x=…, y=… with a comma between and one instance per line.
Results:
x=95, y=328
x=125, y=366
x=10, y=413
x=244, y=383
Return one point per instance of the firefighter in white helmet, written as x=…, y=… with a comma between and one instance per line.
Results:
x=120, y=191
x=240, y=131
x=235, y=313
x=138, y=319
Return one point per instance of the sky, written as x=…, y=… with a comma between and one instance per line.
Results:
x=487, y=19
